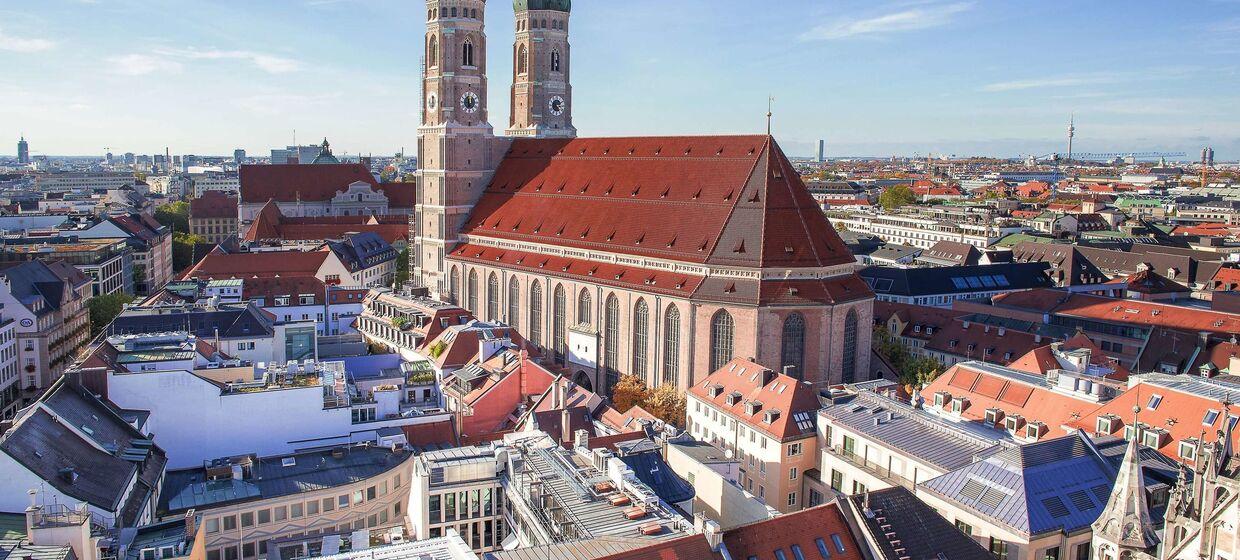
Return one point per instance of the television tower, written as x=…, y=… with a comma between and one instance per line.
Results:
x=1071, y=134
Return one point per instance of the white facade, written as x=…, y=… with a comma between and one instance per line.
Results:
x=924, y=232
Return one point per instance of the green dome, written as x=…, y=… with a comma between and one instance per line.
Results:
x=557, y=5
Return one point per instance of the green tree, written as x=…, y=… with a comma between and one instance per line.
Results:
x=175, y=215
x=105, y=308
x=913, y=370
x=896, y=196
x=402, y=267
x=183, y=250
x=628, y=392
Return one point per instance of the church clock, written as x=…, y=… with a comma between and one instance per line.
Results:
x=469, y=102
x=557, y=105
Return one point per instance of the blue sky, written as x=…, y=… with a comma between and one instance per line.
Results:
x=872, y=78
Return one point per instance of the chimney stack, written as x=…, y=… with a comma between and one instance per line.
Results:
x=191, y=524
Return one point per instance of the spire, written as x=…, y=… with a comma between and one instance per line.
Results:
x=1125, y=521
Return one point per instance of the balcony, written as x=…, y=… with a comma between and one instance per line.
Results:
x=874, y=469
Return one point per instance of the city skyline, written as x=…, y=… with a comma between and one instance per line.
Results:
x=900, y=78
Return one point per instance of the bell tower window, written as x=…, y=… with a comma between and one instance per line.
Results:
x=467, y=53
x=432, y=52
x=522, y=58
x=555, y=61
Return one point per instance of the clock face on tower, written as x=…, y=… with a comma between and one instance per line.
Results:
x=557, y=105
x=469, y=102
x=432, y=102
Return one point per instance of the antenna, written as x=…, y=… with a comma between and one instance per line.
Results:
x=770, y=104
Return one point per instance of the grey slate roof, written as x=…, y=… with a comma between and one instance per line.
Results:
x=315, y=470
x=914, y=432
x=922, y=533
x=233, y=320
x=956, y=279
x=44, y=443
x=15, y=546
x=1058, y=485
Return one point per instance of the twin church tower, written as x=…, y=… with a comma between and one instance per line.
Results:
x=458, y=151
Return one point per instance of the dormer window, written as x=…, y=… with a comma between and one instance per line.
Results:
x=1034, y=430
x=714, y=390
x=959, y=404
x=941, y=398
x=734, y=398
x=771, y=416
x=753, y=407
x=1107, y=423
x=1188, y=449
x=1013, y=423
x=994, y=416
x=1154, y=437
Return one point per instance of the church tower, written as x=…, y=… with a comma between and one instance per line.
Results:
x=1124, y=530
x=457, y=149
x=542, y=97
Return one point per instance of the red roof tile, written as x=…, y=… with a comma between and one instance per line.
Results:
x=1121, y=310
x=213, y=204
x=219, y=265
x=761, y=539
x=755, y=383
x=1010, y=394
x=291, y=182
x=633, y=195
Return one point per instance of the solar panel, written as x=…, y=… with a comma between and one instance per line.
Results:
x=1055, y=507
x=1080, y=500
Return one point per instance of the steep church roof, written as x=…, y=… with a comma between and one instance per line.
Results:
x=1126, y=518
x=732, y=201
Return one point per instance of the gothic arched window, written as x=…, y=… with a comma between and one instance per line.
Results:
x=721, y=328
x=583, y=307
x=555, y=61
x=471, y=292
x=522, y=60
x=641, y=338
x=536, y=307
x=558, y=303
x=792, y=345
x=611, y=341
x=432, y=52
x=454, y=285
x=671, y=345
x=493, y=298
x=467, y=53
x=514, y=303
x=850, y=347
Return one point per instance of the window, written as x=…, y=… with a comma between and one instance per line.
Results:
x=1154, y=401
x=471, y=292
x=343, y=501
x=794, y=449
x=792, y=473
x=837, y=480
x=1051, y=553
x=432, y=52
x=583, y=307
x=964, y=527
x=721, y=328
x=998, y=549
x=247, y=519
x=849, y=369
x=671, y=345
x=555, y=61
x=328, y=505
x=1083, y=550
x=522, y=60
x=493, y=297
x=792, y=346
x=858, y=488
x=467, y=53
x=611, y=342
x=213, y=525
x=558, y=334
x=822, y=548
x=536, y=303
x=641, y=326
x=281, y=513
x=1210, y=417
x=296, y=511
x=436, y=514
x=230, y=522
x=514, y=303
x=454, y=285
x=839, y=543
x=264, y=516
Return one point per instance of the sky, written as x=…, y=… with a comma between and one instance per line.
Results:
x=872, y=78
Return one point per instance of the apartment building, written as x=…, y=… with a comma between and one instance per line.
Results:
x=925, y=232
x=267, y=498
x=766, y=419
x=213, y=216
x=107, y=262
x=404, y=321
x=47, y=303
x=459, y=489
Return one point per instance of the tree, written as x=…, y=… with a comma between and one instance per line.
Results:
x=913, y=370
x=402, y=267
x=896, y=196
x=105, y=308
x=667, y=403
x=175, y=215
x=183, y=250
x=628, y=392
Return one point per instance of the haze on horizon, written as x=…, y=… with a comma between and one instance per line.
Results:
x=889, y=78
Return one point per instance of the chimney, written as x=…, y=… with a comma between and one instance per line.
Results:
x=767, y=377
x=34, y=513
x=565, y=428
x=1002, y=331
x=965, y=326
x=191, y=524
x=713, y=534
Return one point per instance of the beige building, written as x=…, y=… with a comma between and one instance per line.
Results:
x=213, y=216
x=246, y=502
x=766, y=420
x=459, y=489
x=715, y=477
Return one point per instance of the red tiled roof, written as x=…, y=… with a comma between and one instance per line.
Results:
x=271, y=225
x=621, y=276
x=430, y=434
x=727, y=200
x=219, y=265
x=266, y=223
x=914, y=316
x=1014, y=397
x=1121, y=310
x=1226, y=280
x=293, y=286
x=761, y=539
x=1042, y=359
x=213, y=204
x=291, y=182
x=989, y=343
x=755, y=383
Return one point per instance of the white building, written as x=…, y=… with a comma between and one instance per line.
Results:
x=924, y=232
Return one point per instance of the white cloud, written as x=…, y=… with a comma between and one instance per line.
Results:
x=24, y=44
x=910, y=19
x=1059, y=81
x=143, y=64
x=268, y=63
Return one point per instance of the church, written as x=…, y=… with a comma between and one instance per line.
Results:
x=660, y=257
